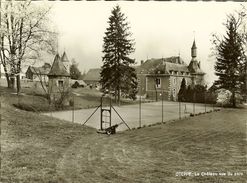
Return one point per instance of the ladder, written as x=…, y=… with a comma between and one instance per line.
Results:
x=105, y=116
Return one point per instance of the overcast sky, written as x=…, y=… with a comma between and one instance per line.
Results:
x=160, y=29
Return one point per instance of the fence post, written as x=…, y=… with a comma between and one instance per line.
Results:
x=194, y=103
x=140, y=106
x=73, y=110
x=179, y=106
x=162, y=98
x=50, y=108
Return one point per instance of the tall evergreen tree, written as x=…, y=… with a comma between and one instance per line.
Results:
x=182, y=91
x=230, y=58
x=75, y=73
x=117, y=73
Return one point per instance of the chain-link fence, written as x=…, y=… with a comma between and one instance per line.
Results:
x=142, y=112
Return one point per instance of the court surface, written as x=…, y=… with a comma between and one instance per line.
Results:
x=150, y=113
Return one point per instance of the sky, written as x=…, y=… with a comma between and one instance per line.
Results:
x=160, y=29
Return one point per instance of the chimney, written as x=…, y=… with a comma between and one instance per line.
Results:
x=142, y=62
x=199, y=65
x=179, y=62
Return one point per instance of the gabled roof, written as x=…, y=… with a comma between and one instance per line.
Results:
x=58, y=68
x=64, y=58
x=39, y=70
x=93, y=75
x=81, y=82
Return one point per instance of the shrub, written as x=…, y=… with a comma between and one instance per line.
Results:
x=26, y=107
x=75, y=85
x=71, y=102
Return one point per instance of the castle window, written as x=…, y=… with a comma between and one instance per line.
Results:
x=174, y=92
x=158, y=83
x=174, y=81
x=60, y=83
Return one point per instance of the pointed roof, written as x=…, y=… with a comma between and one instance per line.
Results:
x=93, y=75
x=58, y=68
x=194, y=44
x=64, y=57
x=194, y=67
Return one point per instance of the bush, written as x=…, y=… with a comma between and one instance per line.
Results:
x=71, y=102
x=26, y=107
x=75, y=85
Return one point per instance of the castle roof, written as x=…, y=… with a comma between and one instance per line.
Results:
x=194, y=67
x=58, y=68
x=194, y=45
x=39, y=70
x=64, y=57
x=162, y=66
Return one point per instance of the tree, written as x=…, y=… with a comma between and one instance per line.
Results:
x=230, y=56
x=182, y=91
x=200, y=93
x=24, y=34
x=117, y=73
x=43, y=80
x=74, y=71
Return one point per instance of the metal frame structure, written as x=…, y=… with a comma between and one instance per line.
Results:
x=110, y=129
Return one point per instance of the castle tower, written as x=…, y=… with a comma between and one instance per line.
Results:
x=194, y=67
x=194, y=50
x=66, y=62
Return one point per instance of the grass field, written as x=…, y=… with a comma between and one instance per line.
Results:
x=41, y=149
x=31, y=100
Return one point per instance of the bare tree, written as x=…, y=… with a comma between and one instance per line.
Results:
x=44, y=84
x=24, y=33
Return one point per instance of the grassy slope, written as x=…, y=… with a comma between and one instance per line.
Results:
x=32, y=144
x=35, y=101
x=215, y=142
x=38, y=148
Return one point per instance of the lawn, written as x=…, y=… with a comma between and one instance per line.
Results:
x=37, y=148
x=34, y=100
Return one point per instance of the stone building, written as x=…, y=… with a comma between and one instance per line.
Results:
x=58, y=80
x=37, y=73
x=163, y=77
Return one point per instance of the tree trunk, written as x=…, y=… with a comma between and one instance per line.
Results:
x=8, y=80
x=119, y=95
x=12, y=82
x=18, y=84
x=233, y=99
x=115, y=95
